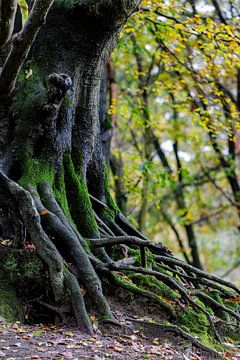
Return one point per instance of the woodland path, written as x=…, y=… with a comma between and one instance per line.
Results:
x=46, y=342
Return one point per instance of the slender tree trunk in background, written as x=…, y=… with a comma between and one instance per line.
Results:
x=147, y=143
x=227, y=162
x=180, y=200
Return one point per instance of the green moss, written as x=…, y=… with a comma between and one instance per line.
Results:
x=138, y=259
x=30, y=84
x=214, y=294
x=150, y=258
x=78, y=162
x=127, y=284
x=65, y=269
x=231, y=304
x=193, y=319
x=17, y=271
x=11, y=268
x=196, y=323
x=158, y=287
x=79, y=201
x=59, y=190
x=208, y=340
x=36, y=172
x=11, y=308
x=234, y=335
x=32, y=269
x=114, y=210
x=67, y=102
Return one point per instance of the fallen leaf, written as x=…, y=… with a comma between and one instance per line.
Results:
x=236, y=299
x=18, y=344
x=229, y=355
x=68, y=333
x=118, y=349
x=37, y=333
x=155, y=341
x=43, y=212
x=26, y=337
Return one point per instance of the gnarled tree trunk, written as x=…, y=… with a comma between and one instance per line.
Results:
x=54, y=182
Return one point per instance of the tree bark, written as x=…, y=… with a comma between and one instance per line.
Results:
x=52, y=172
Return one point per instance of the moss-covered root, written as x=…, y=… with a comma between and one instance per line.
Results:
x=80, y=205
x=215, y=302
x=168, y=328
x=69, y=243
x=58, y=271
x=139, y=290
x=79, y=201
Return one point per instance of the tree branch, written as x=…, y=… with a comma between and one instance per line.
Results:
x=8, y=10
x=21, y=45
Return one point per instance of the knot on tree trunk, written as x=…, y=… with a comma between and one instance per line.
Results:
x=57, y=87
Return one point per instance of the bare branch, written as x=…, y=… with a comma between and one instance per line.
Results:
x=219, y=11
x=21, y=45
x=8, y=10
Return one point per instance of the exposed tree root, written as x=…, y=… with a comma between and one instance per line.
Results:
x=71, y=246
x=191, y=276
x=174, y=285
x=57, y=309
x=177, y=330
x=74, y=262
x=143, y=292
x=204, y=296
x=198, y=272
x=131, y=240
x=60, y=276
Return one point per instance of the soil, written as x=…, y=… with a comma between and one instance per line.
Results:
x=46, y=342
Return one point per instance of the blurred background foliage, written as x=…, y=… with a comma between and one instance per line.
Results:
x=24, y=9
x=173, y=119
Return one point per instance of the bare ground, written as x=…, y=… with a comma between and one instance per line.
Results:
x=48, y=342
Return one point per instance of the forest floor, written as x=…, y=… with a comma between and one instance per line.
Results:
x=45, y=342
x=19, y=341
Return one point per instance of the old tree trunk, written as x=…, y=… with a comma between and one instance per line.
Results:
x=54, y=190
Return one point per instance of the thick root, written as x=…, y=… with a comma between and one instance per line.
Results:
x=45, y=220
x=60, y=276
x=177, y=330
